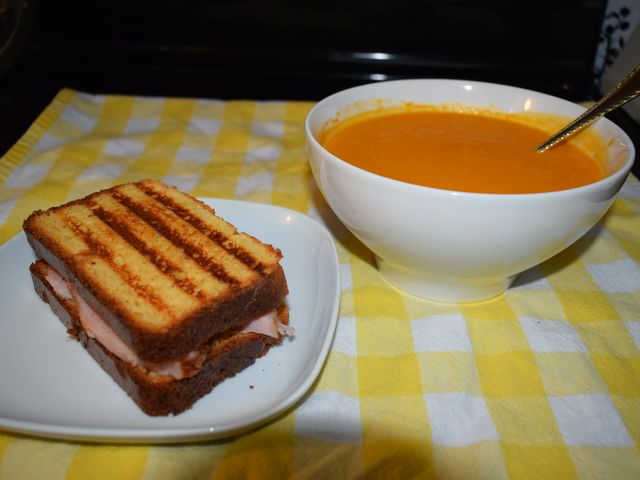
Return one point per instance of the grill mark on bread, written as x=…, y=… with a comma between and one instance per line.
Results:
x=162, y=228
x=98, y=248
x=160, y=261
x=244, y=256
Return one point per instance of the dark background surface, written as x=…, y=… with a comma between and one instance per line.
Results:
x=283, y=49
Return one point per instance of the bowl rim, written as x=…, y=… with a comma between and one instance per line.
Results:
x=614, y=177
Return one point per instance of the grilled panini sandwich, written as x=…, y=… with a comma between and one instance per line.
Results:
x=166, y=296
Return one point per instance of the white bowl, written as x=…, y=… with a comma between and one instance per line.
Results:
x=456, y=246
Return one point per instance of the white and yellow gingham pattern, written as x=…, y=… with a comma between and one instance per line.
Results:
x=543, y=382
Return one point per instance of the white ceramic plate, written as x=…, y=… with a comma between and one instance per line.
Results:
x=51, y=387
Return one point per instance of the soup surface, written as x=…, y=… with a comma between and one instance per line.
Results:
x=459, y=151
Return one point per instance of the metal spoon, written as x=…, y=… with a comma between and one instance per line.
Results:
x=626, y=90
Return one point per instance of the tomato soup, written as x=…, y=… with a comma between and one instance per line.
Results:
x=461, y=151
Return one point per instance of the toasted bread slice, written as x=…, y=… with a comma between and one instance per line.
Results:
x=162, y=269
x=226, y=355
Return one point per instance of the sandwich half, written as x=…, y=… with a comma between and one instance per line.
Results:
x=167, y=297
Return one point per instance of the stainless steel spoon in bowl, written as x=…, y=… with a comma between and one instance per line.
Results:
x=625, y=91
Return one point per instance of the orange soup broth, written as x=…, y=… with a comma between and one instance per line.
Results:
x=478, y=151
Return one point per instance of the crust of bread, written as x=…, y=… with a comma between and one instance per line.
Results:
x=167, y=335
x=161, y=395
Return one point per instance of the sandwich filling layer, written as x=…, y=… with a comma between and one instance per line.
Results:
x=97, y=328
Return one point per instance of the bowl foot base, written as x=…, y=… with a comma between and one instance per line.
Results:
x=443, y=290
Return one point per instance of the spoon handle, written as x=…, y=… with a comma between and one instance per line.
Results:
x=626, y=90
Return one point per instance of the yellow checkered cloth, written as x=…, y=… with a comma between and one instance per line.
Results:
x=543, y=382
